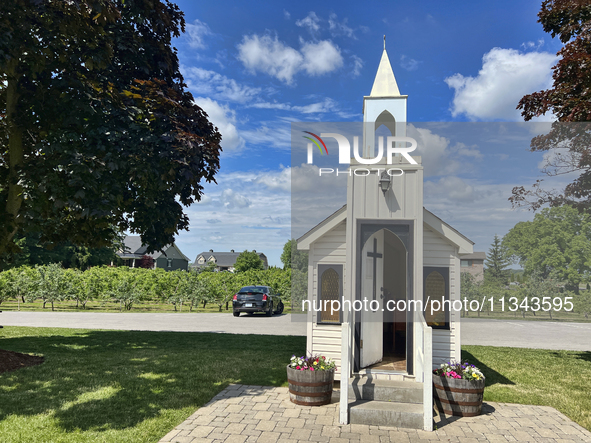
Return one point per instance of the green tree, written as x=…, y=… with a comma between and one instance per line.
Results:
x=33, y=252
x=126, y=289
x=582, y=303
x=99, y=133
x=568, y=100
x=496, y=263
x=540, y=287
x=469, y=290
x=557, y=241
x=54, y=285
x=293, y=258
x=248, y=260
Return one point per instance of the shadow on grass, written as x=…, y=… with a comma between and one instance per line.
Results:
x=491, y=376
x=581, y=355
x=101, y=380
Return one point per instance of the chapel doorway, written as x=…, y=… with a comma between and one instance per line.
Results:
x=384, y=284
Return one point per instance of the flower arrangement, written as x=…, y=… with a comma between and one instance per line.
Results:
x=454, y=369
x=312, y=363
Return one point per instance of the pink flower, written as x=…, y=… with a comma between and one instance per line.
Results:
x=297, y=367
x=311, y=369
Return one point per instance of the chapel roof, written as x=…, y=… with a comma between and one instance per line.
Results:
x=385, y=84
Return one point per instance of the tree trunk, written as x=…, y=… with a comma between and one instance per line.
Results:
x=181, y=306
x=227, y=305
x=44, y=303
x=204, y=303
x=15, y=155
x=52, y=306
x=550, y=312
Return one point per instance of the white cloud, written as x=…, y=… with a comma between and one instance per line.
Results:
x=253, y=216
x=410, y=64
x=286, y=14
x=476, y=209
x=225, y=120
x=269, y=55
x=234, y=200
x=532, y=45
x=451, y=188
x=321, y=57
x=439, y=157
x=357, y=65
x=311, y=22
x=210, y=83
x=269, y=134
x=341, y=28
x=280, y=180
x=505, y=77
x=328, y=105
x=196, y=32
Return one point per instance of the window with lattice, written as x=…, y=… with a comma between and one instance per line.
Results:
x=436, y=297
x=330, y=289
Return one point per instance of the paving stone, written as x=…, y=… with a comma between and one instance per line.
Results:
x=268, y=437
x=202, y=431
x=265, y=425
x=296, y=423
x=301, y=434
x=331, y=431
x=245, y=414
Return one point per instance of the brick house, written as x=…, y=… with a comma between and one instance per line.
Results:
x=474, y=264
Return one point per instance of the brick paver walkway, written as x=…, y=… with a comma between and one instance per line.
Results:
x=264, y=414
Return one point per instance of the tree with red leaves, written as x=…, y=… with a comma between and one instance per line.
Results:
x=569, y=100
x=98, y=132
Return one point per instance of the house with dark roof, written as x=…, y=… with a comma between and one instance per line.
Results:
x=224, y=261
x=170, y=258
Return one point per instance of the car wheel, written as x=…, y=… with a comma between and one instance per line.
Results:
x=237, y=314
x=279, y=308
x=270, y=311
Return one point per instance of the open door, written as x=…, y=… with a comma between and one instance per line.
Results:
x=372, y=282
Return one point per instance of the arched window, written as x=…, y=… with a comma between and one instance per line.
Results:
x=436, y=297
x=330, y=288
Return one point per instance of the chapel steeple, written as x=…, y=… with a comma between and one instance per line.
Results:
x=385, y=84
x=383, y=106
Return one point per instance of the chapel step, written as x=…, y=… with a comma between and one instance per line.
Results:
x=366, y=388
x=384, y=413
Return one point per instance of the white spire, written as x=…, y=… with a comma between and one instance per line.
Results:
x=385, y=84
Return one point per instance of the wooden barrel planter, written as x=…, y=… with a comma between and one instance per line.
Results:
x=310, y=388
x=456, y=396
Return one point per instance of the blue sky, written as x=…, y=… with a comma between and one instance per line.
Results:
x=256, y=67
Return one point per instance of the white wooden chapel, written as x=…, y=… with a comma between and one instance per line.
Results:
x=384, y=246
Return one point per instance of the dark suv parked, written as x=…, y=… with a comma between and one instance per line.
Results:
x=257, y=299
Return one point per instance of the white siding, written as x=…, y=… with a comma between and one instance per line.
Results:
x=329, y=249
x=439, y=252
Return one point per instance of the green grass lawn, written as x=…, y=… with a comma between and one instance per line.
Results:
x=128, y=386
x=118, y=386
x=560, y=379
x=110, y=306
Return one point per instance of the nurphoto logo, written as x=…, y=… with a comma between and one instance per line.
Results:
x=394, y=146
